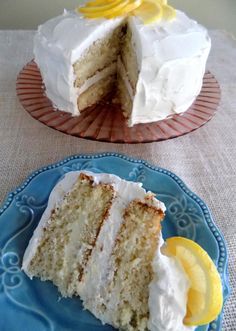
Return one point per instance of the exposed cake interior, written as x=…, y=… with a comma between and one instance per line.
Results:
x=99, y=243
x=115, y=69
x=70, y=234
x=132, y=258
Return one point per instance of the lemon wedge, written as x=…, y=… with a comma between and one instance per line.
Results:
x=205, y=297
x=149, y=11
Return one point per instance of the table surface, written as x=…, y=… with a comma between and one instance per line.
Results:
x=205, y=159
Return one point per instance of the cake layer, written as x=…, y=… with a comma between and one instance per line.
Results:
x=68, y=237
x=97, y=87
x=129, y=59
x=96, y=92
x=132, y=257
x=125, y=90
x=105, y=51
x=110, y=70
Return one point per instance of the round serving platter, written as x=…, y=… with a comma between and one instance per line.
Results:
x=105, y=122
x=34, y=305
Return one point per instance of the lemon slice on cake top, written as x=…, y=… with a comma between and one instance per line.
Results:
x=149, y=11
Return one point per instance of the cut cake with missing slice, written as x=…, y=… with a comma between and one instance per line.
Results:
x=100, y=238
x=157, y=69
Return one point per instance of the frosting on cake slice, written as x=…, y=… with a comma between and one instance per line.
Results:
x=100, y=238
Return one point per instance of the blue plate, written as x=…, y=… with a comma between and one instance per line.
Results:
x=35, y=305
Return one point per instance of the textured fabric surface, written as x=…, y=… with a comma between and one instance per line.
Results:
x=204, y=159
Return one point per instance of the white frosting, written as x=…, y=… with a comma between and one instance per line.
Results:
x=171, y=55
x=168, y=289
x=167, y=294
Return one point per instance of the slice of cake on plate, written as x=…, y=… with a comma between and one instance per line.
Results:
x=157, y=68
x=100, y=239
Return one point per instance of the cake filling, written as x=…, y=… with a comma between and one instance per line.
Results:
x=108, y=71
x=97, y=92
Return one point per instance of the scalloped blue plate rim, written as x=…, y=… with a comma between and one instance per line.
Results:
x=205, y=209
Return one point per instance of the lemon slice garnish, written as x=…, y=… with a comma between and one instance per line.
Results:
x=98, y=3
x=205, y=297
x=103, y=11
x=149, y=11
x=168, y=12
x=102, y=7
x=129, y=8
x=111, y=9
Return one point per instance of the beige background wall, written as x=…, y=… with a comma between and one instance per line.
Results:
x=28, y=14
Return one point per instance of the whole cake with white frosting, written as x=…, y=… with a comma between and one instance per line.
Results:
x=100, y=238
x=157, y=68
